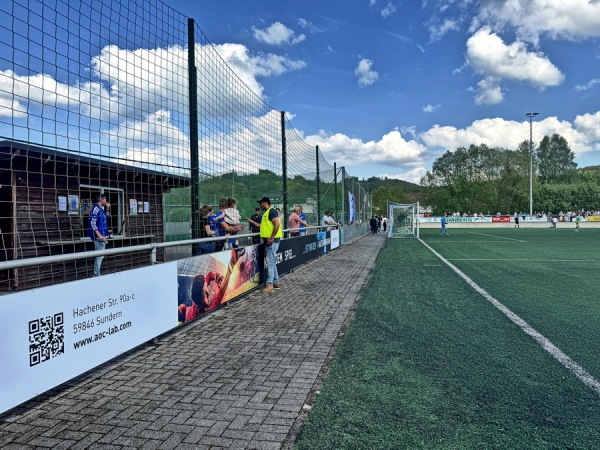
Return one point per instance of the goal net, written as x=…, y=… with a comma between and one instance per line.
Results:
x=403, y=220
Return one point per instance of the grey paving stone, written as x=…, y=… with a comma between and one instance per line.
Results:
x=186, y=446
x=112, y=435
x=214, y=441
x=263, y=445
x=152, y=444
x=243, y=391
x=44, y=442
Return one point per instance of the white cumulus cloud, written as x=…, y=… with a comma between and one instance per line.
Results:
x=278, y=34
x=488, y=92
x=391, y=149
x=487, y=54
x=410, y=152
x=583, y=134
x=363, y=72
x=134, y=103
x=572, y=19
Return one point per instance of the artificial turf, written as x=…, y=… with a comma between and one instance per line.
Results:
x=428, y=363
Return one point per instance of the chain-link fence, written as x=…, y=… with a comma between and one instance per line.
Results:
x=128, y=98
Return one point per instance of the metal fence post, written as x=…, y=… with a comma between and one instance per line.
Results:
x=318, y=189
x=194, y=154
x=284, y=172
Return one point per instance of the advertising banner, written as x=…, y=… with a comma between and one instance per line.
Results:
x=486, y=219
x=505, y=219
x=207, y=281
x=431, y=219
x=322, y=242
x=334, y=239
x=296, y=252
x=351, y=208
x=592, y=219
x=53, y=334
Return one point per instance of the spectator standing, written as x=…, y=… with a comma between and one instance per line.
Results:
x=384, y=223
x=373, y=225
x=254, y=225
x=327, y=221
x=303, y=218
x=516, y=216
x=271, y=233
x=98, y=228
x=294, y=223
x=207, y=229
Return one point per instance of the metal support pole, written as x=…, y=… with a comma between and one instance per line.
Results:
x=418, y=218
x=284, y=210
x=194, y=153
x=318, y=188
x=531, y=116
x=335, y=208
x=342, y=214
x=344, y=198
x=358, y=213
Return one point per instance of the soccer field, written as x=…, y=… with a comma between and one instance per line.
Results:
x=486, y=338
x=547, y=277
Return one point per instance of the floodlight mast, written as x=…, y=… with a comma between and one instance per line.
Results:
x=531, y=115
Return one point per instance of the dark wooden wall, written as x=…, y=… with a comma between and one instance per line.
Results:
x=39, y=229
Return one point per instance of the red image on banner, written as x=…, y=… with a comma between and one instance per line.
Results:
x=500, y=218
x=207, y=281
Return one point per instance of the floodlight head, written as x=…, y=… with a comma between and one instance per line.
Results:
x=531, y=114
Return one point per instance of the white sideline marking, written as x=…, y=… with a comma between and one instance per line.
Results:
x=528, y=260
x=497, y=237
x=562, y=358
x=435, y=240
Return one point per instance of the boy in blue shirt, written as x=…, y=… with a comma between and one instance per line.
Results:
x=98, y=228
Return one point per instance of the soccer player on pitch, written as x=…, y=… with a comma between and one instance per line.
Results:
x=444, y=228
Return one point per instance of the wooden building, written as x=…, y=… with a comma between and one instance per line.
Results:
x=45, y=197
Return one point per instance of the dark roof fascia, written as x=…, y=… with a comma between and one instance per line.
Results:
x=62, y=153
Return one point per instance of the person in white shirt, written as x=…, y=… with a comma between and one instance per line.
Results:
x=327, y=221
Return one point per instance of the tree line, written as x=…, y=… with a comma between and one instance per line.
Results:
x=485, y=179
x=472, y=180
x=247, y=189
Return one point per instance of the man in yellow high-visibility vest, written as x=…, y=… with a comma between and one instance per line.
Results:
x=271, y=233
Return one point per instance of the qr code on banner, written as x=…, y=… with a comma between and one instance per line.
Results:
x=46, y=338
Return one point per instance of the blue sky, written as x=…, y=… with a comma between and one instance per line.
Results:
x=385, y=86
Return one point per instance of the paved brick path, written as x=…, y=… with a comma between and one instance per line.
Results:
x=237, y=380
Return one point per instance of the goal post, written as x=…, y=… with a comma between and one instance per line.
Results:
x=403, y=220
